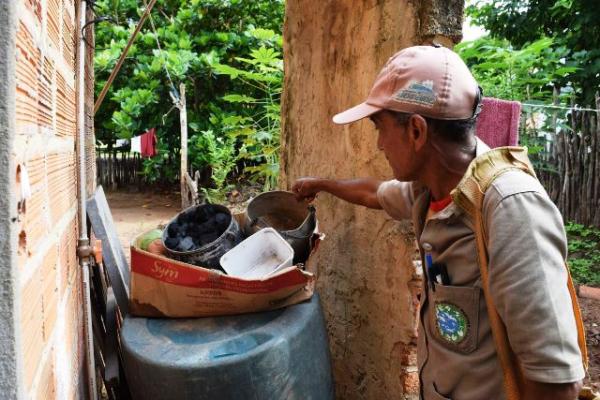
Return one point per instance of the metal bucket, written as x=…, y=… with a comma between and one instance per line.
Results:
x=209, y=254
x=294, y=220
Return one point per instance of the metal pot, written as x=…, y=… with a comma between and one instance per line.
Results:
x=294, y=220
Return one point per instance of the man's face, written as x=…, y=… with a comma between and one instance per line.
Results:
x=394, y=141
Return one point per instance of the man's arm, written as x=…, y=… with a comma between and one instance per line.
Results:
x=362, y=191
x=528, y=284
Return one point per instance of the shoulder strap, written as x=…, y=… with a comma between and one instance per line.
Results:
x=482, y=171
x=469, y=196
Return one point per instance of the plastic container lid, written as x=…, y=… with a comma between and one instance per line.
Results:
x=258, y=256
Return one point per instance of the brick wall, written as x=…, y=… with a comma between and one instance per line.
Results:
x=50, y=324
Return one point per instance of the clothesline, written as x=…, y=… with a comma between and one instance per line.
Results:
x=559, y=107
x=145, y=144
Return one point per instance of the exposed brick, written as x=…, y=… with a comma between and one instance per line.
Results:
x=53, y=20
x=31, y=297
x=31, y=327
x=65, y=108
x=36, y=221
x=409, y=356
x=69, y=359
x=27, y=72
x=67, y=261
x=49, y=290
x=28, y=58
x=36, y=169
x=90, y=163
x=45, y=93
x=62, y=184
x=410, y=374
x=73, y=317
x=46, y=387
x=46, y=105
x=75, y=280
x=68, y=37
x=35, y=6
x=34, y=83
x=410, y=383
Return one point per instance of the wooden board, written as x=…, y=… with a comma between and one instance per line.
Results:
x=114, y=259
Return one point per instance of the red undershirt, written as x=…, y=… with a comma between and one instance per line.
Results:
x=437, y=206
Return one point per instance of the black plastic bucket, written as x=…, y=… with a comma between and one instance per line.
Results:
x=208, y=253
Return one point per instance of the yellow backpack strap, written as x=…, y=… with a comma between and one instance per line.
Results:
x=469, y=196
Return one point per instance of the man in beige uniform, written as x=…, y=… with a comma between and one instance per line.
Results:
x=424, y=104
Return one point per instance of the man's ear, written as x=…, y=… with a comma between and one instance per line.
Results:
x=417, y=129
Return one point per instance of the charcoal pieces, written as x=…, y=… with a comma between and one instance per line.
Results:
x=186, y=244
x=196, y=228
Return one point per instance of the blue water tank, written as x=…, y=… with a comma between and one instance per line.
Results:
x=281, y=354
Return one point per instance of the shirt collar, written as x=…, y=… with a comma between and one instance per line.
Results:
x=453, y=209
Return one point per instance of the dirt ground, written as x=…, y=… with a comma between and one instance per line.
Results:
x=591, y=318
x=134, y=213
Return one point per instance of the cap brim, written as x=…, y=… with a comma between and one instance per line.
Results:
x=355, y=113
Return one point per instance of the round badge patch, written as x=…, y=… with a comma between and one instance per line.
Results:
x=452, y=323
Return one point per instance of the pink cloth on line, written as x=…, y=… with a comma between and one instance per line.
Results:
x=498, y=122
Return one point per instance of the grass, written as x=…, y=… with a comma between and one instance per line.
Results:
x=584, y=253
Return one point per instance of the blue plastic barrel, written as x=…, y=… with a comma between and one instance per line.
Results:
x=281, y=354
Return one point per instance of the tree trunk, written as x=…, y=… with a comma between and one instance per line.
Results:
x=367, y=280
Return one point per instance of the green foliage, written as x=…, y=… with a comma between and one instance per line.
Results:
x=248, y=135
x=257, y=125
x=202, y=44
x=133, y=102
x=572, y=25
x=218, y=154
x=163, y=168
x=526, y=74
x=584, y=253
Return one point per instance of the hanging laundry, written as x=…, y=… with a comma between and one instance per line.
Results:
x=121, y=143
x=136, y=144
x=149, y=141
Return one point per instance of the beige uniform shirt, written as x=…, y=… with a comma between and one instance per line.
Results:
x=528, y=282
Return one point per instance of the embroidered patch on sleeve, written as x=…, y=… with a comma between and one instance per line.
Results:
x=452, y=323
x=419, y=93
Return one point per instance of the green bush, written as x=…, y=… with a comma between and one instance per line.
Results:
x=584, y=253
x=572, y=25
x=232, y=70
x=528, y=73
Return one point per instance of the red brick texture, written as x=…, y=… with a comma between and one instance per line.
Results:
x=51, y=330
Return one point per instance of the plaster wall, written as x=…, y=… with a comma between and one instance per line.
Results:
x=8, y=285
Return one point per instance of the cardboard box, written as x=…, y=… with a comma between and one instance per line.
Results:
x=163, y=287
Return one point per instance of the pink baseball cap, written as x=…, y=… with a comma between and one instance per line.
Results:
x=432, y=81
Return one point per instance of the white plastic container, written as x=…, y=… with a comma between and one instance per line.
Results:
x=258, y=256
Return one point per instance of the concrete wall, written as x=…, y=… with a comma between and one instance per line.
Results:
x=8, y=274
x=367, y=279
x=48, y=316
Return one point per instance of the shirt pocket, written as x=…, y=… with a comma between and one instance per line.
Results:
x=454, y=317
